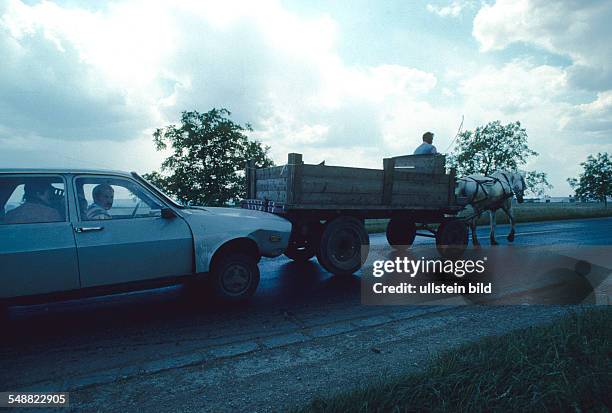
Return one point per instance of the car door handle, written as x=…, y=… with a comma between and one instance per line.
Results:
x=87, y=229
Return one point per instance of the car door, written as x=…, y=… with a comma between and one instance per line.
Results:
x=37, y=247
x=121, y=236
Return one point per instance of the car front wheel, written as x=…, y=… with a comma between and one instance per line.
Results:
x=235, y=277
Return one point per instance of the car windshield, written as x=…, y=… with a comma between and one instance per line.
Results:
x=172, y=200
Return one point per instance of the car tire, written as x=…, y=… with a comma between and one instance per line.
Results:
x=234, y=277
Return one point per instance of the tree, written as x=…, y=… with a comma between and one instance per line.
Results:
x=209, y=154
x=537, y=183
x=595, y=181
x=496, y=147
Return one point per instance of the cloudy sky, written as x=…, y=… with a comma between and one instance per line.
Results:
x=84, y=83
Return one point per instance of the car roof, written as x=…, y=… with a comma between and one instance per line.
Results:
x=73, y=171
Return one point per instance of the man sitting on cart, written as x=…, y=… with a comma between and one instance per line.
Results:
x=426, y=148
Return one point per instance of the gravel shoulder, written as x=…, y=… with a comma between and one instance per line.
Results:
x=271, y=378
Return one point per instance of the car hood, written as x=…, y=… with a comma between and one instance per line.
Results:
x=233, y=212
x=239, y=217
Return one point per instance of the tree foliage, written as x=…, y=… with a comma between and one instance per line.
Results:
x=595, y=181
x=537, y=183
x=496, y=147
x=208, y=159
x=492, y=147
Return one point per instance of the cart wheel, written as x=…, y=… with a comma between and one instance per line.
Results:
x=452, y=238
x=304, y=243
x=341, y=242
x=401, y=233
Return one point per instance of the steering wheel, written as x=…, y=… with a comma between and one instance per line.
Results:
x=136, y=209
x=57, y=201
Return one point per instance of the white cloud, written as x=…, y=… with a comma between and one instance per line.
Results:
x=69, y=73
x=593, y=119
x=118, y=72
x=377, y=84
x=453, y=9
x=515, y=88
x=579, y=30
x=35, y=151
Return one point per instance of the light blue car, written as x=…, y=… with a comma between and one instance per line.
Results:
x=67, y=233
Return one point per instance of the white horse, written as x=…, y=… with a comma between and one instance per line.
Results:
x=490, y=193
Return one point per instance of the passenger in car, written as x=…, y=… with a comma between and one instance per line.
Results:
x=103, y=196
x=36, y=207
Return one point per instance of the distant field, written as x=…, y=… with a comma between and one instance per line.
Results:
x=529, y=213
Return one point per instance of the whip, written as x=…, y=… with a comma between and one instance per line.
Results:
x=456, y=135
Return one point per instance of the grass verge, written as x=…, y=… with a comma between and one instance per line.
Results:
x=527, y=213
x=563, y=366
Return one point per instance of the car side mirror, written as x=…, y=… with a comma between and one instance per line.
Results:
x=167, y=213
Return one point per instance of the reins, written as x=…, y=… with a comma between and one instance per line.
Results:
x=480, y=186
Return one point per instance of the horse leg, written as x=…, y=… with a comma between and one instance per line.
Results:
x=473, y=229
x=492, y=223
x=508, y=210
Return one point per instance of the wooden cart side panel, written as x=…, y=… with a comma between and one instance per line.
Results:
x=428, y=196
x=410, y=177
x=423, y=188
x=273, y=184
x=324, y=200
x=340, y=185
x=321, y=171
x=410, y=200
x=417, y=187
x=272, y=188
x=276, y=196
x=271, y=172
x=361, y=208
x=294, y=178
x=301, y=186
x=388, y=178
x=433, y=164
x=332, y=185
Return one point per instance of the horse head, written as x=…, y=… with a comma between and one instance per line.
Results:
x=517, y=181
x=522, y=188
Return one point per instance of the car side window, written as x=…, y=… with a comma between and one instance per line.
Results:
x=29, y=199
x=101, y=198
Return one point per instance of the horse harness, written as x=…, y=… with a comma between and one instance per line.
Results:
x=490, y=180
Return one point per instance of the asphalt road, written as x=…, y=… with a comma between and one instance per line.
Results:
x=304, y=333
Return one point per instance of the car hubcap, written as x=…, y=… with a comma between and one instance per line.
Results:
x=236, y=279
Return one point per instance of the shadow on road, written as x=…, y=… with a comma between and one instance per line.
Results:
x=133, y=314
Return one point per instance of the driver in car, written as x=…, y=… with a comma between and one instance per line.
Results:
x=103, y=196
x=37, y=207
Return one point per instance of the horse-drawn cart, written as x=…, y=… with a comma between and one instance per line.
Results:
x=327, y=206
